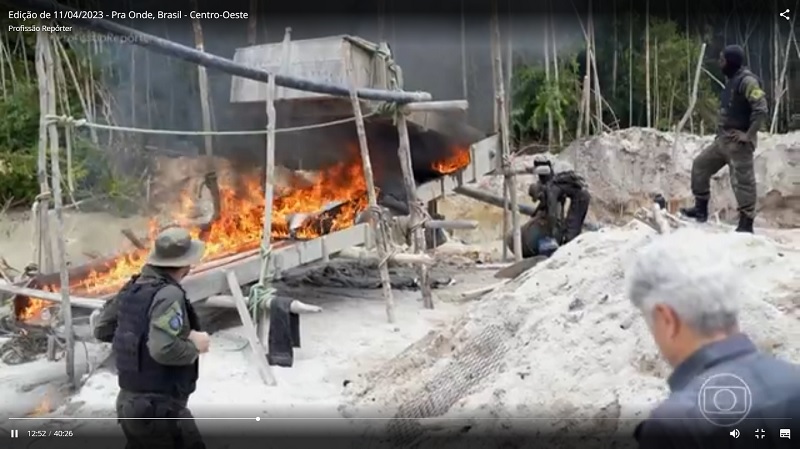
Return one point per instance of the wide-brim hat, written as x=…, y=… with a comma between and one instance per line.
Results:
x=174, y=248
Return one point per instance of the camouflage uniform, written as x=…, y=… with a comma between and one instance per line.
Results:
x=551, y=192
x=149, y=323
x=743, y=110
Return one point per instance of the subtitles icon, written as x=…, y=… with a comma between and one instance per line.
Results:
x=724, y=399
x=786, y=433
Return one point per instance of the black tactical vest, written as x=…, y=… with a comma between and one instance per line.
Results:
x=138, y=371
x=734, y=108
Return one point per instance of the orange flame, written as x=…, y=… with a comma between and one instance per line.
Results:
x=458, y=159
x=240, y=225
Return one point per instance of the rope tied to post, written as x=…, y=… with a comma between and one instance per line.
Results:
x=419, y=216
x=66, y=120
x=390, y=110
x=262, y=293
x=382, y=224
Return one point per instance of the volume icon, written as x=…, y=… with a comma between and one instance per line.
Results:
x=735, y=433
x=14, y=433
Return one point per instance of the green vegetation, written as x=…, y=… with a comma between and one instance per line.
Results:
x=19, y=130
x=622, y=79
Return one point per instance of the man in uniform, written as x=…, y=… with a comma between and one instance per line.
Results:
x=547, y=229
x=742, y=112
x=157, y=341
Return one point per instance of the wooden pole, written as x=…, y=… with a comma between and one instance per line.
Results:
x=464, y=78
x=86, y=303
x=366, y=163
x=262, y=327
x=202, y=81
x=446, y=105
x=252, y=24
x=259, y=353
x=510, y=190
x=414, y=205
x=185, y=53
x=494, y=200
x=44, y=248
x=286, y=57
x=497, y=70
x=205, y=109
x=55, y=166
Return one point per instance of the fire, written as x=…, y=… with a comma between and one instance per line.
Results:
x=240, y=224
x=33, y=308
x=459, y=158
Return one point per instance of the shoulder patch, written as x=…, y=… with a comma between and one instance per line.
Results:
x=755, y=94
x=752, y=88
x=171, y=321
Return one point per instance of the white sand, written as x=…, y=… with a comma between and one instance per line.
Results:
x=581, y=350
x=349, y=337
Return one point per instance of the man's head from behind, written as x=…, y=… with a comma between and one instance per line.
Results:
x=687, y=291
x=175, y=252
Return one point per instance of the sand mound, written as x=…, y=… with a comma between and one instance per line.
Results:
x=625, y=167
x=563, y=342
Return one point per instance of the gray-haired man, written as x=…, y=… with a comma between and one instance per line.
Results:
x=157, y=341
x=689, y=296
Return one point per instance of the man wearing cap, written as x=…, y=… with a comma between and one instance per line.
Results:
x=157, y=342
x=548, y=229
x=742, y=112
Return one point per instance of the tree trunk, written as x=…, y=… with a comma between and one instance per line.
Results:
x=587, y=83
x=689, y=71
x=598, y=97
x=555, y=68
x=133, y=86
x=547, y=77
x=464, y=79
x=616, y=48
x=43, y=252
x=782, y=87
x=630, y=64
x=66, y=308
x=647, y=61
x=657, y=92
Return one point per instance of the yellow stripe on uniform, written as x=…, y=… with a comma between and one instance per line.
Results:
x=753, y=92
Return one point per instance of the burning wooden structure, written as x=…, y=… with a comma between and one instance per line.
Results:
x=338, y=190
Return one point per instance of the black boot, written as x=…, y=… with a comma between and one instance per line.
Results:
x=745, y=224
x=699, y=212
